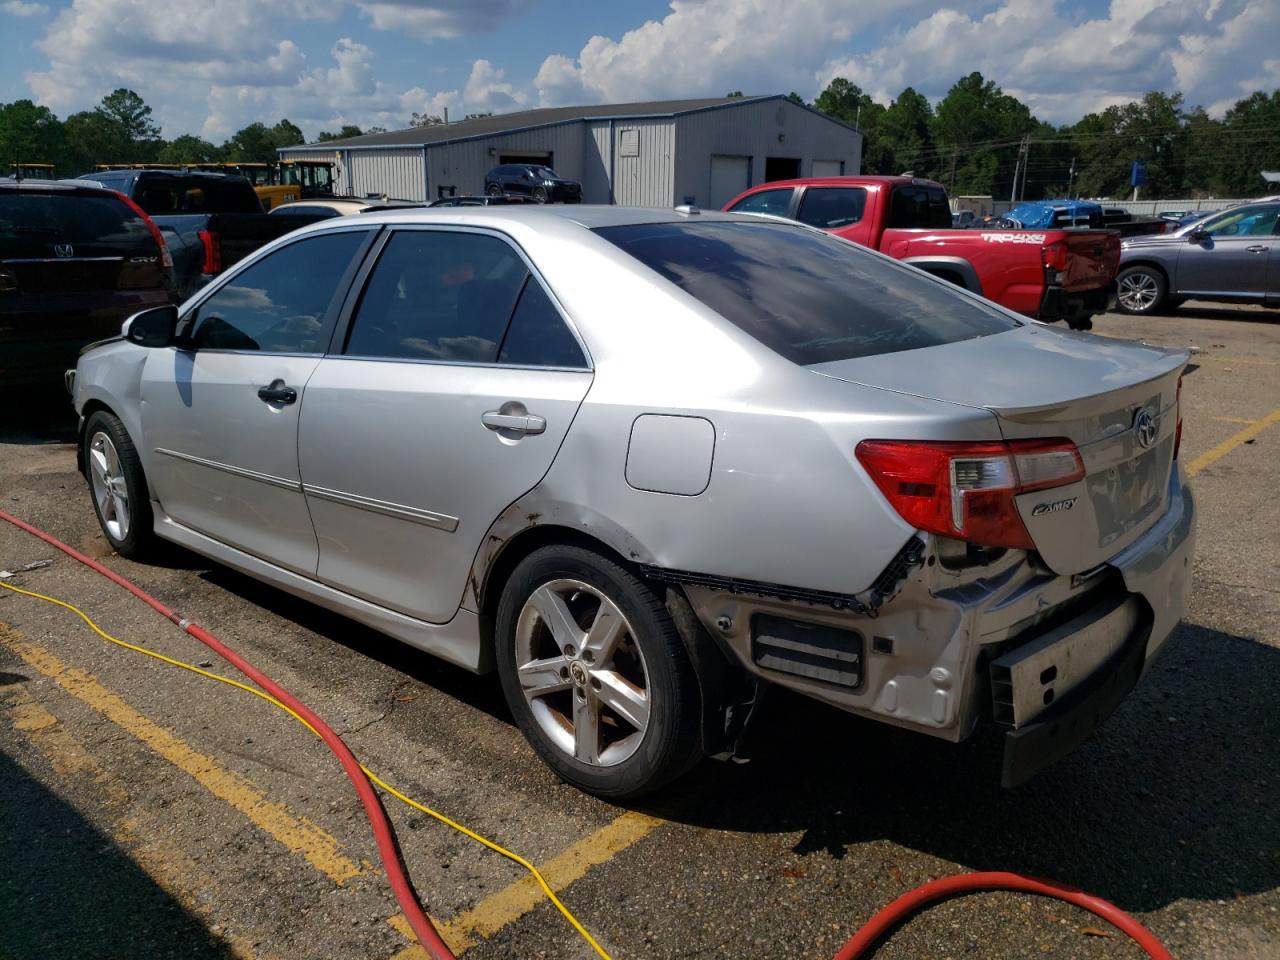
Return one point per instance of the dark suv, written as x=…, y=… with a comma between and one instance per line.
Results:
x=75, y=261
x=539, y=183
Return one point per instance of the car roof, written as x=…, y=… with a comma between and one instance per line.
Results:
x=591, y=216
x=850, y=180
x=53, y=186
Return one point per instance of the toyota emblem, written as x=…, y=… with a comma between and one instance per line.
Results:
x=1146, y=428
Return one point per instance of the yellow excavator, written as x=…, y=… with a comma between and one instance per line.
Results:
x=32, y=171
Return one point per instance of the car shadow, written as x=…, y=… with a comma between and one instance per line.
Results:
x=37, y=418
x=67, y=889
x=1225, y=313
x=1174, y=797
x=481, y=692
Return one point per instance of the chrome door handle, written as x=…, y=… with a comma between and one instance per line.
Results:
x=1257, y=248
x=277, y=392
x=516, y=423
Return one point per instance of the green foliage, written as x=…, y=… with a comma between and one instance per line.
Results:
x=188, y=149
x=348, y=130
x=29, y=134
x=258, y=143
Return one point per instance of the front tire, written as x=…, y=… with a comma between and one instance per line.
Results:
x=1140, y=290
x=118, y=486
x=494, y=190
x=539, y=194
x=595, y=673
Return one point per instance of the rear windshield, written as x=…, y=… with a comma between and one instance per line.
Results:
x=164, y=194
x=810, y=297
x=38, y=225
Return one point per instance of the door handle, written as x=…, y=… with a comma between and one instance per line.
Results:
x=516, y=423
x=277, y=392
x=1257, y=248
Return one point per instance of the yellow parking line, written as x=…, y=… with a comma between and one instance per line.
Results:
x=163, y=861
x=1215, y=454
x=296, y=833
x=512, y=902
x=1234, y=420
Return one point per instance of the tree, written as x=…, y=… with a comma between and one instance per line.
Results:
x=258, y=143
x=977, y=130
x=1251, y=143
x=1150, y=130
x=796, y=98
x=425, y=120
x=93, y=137
x=904, y=134
x=126, y=108
x=844, y=101
x=31, y=134
x=348, y=130
x=733, y=95
x=188, y=149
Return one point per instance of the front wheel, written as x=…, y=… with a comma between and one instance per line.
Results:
x=539, y=194
x=119, y=488
x=596, y=674
x=1140, y=290
x=494, y=190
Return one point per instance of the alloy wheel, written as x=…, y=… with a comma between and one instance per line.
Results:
x=110, y=492
x=1137, y=292
x=582, y=673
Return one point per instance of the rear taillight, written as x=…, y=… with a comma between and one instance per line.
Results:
x=967, y=490
x=1177, y=433
x=166, y=258
x=212, y=251
x=1056, y=255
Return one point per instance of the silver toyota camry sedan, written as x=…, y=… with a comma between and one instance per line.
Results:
x=648, y=463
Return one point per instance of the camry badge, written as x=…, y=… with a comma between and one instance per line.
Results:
x=1057, y=506
x=1145, y=428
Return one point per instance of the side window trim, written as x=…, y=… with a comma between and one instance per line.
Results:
x=356, y=292
x=186, y=322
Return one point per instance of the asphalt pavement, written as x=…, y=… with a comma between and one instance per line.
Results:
x=149, y=813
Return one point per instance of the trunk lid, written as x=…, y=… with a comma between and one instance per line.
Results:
x=1116, y=400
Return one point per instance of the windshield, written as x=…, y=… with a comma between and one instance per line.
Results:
x=162, y=194
x=546, y=173
x=810, y=297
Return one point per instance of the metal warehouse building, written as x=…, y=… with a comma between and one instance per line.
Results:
x=653, y=154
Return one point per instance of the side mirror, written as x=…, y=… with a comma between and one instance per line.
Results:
x=152, y=328
x=1196, y=235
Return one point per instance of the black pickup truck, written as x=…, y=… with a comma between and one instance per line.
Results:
x=209, y=220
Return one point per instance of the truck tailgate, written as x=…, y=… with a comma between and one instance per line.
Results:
x=1093, y=256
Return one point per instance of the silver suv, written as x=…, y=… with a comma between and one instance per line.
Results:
x=1232, y=256
x=647, y=463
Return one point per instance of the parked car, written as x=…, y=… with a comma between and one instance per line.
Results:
x=1049, y=274
x=963, y=219
x=660, y=460
x=210, y=220
x=486, y=200
x=540, y=183
x=326, y=209
x=1230, y=256
x=75, y=261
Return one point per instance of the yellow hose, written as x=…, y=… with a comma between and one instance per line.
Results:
x=373, y=777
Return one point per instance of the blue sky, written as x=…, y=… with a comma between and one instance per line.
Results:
x=212, y=66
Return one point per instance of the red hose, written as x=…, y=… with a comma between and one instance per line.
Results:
x=857, y=946
x=422, y=927
x=920, y=897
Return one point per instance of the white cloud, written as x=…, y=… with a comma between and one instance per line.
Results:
x=1062, y=69
x=16, y=8
x=487, y=89
x=438, y=19
x=709, y=47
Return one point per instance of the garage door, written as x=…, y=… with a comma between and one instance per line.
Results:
x=828, y=168
x=729, y=177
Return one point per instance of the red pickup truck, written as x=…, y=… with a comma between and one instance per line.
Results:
x=1044, y=274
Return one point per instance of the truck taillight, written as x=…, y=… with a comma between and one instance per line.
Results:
x=1177, y=433
x=166, y=258
x=212, y=251
x=1056, y=255
x=967, y=490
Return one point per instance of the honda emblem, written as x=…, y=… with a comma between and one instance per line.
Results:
x=64, y=250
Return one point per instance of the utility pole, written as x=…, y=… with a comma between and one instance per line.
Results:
x=1071, y=177
x=1019, y=167
x=951, y=187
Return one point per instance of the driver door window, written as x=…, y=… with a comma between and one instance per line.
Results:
x=281, y=304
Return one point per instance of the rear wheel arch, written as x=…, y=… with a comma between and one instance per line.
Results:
x=952, y=269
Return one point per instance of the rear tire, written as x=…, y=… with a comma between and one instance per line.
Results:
x=1140, y=290
x=118, y=487
x=595, y=673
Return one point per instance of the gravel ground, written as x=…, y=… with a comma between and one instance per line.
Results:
x=109, y=850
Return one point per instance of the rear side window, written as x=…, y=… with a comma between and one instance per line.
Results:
x=164, y=194
x=538, y=336
x=65, y=225
x=281, y=303
x=810, y=297
x=918, y=207
x=775, y=202
x=438, y=295
x=832, y=207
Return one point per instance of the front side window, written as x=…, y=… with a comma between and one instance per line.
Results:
x=775, y=202
x=280, y=304
x=832, y=207
x=808, y=296
x=1244, y=222
x=438, y=295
